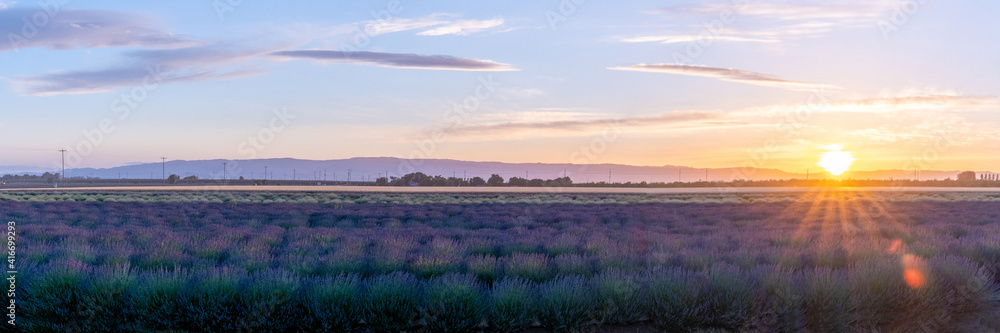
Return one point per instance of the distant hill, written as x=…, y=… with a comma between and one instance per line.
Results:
x=371, y=167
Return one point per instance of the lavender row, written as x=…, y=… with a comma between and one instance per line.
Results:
x=535, y=242
x=870, y=295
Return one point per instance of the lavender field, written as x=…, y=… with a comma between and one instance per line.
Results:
x=820, y=261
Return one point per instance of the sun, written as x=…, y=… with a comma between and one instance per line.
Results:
x=835, y=161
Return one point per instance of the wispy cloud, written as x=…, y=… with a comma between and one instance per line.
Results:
x=399, y=24
x=725, y=74
x=86, y=82
x=669, y=39
x=569, y=127
x=214, y=61
x=438, y=24
x=770, y=22
x=886, y=105
x=463, y=27
x=792, y=10
x=399, y=60
x=72, y=29
x=6, y=4
x=185, y=60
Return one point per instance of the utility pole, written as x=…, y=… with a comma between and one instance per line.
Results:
x=164, y=161
x=225, y=174
x=293, y=174
x=265, y=174
x=706, y=175
x=609, y=176
x=348, y=175
x=678, y=175
x=63, y=173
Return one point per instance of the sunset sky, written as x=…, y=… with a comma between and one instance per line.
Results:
x=769, y=84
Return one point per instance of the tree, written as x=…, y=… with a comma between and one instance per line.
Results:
x=241, y=177
x=967, y=176
x=191, y=178
x=381, y=181
x=173, y=179
x=455, y=181
x=437, y=181
x=477, y=181
x=517, y=181
x=495, y=180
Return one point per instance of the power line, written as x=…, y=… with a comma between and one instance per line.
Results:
x=63, y=173
x=164, y=177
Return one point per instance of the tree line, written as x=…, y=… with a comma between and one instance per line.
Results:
x=421, y=179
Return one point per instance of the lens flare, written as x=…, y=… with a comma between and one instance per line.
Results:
x=914, y=271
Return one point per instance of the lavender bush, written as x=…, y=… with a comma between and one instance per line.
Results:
x=330, y=261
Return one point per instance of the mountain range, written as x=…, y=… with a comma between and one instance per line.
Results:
x=369, y=168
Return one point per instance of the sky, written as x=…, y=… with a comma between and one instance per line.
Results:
x=770, y=84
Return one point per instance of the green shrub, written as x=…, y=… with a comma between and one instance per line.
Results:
x=573, y=264
x=454, y=304
x=347, y=260
x=881, y=298
x=389, y=254
x=331, y=304
x=157, y=299
x=212, y=303
x=961, y=297
x=564, y=304
x=434, y=264
x=109, y=302
x=617, y=298
x=486, y=268
x=731, y=297
x=512, y=305
x=785, y=308
x=533, y=267
x=828, y=301
x=393, y=302
x=563, y=244
x=673, y=296
x=54, y=299
x=266, y=301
